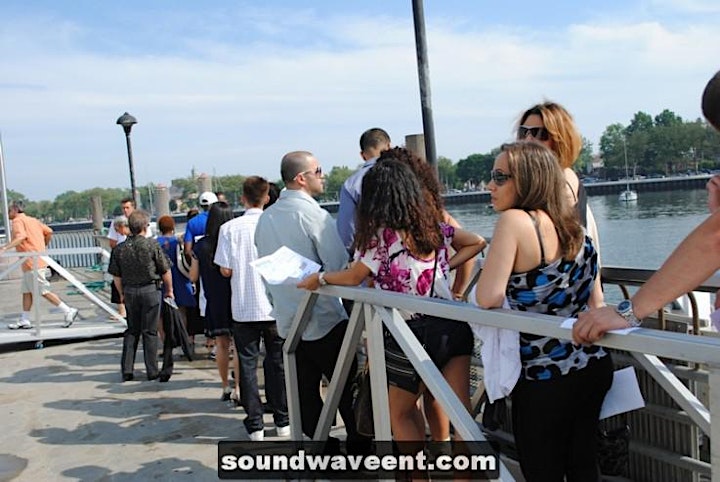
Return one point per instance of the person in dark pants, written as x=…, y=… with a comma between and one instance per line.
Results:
x=297, y=221
x=251, y=314
x=138, y=265
x=317, y=358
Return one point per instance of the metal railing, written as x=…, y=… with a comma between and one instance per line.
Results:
x=47, y=257
x=374, y=308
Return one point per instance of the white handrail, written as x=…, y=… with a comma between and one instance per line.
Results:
x=376, y=305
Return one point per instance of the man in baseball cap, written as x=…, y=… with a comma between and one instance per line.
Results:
x=195, y=228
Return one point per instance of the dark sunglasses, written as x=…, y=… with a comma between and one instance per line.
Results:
x=499, y=177
x=539, y=133
x=318, y=172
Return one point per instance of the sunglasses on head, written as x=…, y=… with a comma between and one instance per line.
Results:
x=539, y=133
x=499, y=177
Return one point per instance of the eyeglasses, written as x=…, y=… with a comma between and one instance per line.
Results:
x=538, y=133
x=317, y=171
x=499, y=177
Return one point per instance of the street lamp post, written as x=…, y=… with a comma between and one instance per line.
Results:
x=127, y=121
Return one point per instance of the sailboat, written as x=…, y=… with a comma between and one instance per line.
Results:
x=628, y=195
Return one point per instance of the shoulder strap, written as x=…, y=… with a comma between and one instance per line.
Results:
x=575, y=198
x=581, y=205
x=432, y=286
x=537, y=231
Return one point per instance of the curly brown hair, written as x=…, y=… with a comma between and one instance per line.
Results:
x=393, y=197
x=424, y=172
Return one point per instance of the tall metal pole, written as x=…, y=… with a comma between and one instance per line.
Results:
x=127, y=121
x=4, y=194
x=132, y=168
x=424, y=78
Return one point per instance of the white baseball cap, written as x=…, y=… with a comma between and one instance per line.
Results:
x=207, y=198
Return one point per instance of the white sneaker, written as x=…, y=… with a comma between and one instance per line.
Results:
x=70, y=317
x=20, y=325
x=258, y=436
x=283, y=431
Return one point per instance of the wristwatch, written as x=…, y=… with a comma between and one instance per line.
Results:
x=625, y=309
x=321, y=279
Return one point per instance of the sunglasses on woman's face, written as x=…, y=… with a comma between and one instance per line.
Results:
x=499, y=177
x=537, y=133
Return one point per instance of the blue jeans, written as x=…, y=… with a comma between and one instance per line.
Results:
x=247, y=337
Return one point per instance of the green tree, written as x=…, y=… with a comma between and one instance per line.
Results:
x=475, y=168
x=447, y=173
x=585, y=159
x=334, y=181
x=612, y=145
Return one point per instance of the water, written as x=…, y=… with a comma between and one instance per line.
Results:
x=640, y=234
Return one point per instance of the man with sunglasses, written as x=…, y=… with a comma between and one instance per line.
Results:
x=297, y=221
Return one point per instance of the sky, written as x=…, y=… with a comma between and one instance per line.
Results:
x=228, y=87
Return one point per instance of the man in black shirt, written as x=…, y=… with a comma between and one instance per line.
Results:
x=138, y=265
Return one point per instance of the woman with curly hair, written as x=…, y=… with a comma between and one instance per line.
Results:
x=542, y=261
x=218, y=313
x=402, y=244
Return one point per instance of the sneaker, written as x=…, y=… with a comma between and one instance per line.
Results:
x=227, y=391
x=70, y=317
x=20, y=325
x=258, y=436
x=283, y=431
x=213, y=353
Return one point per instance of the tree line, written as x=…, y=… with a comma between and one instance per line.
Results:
x=662, y=145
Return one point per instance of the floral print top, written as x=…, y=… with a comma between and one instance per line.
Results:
x=394, y=268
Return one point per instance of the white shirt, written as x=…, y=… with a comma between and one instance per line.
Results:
x=235, y=250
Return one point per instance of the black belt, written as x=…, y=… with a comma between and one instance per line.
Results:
x=143, y=284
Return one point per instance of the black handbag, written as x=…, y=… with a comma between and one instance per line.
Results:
x=362, y=406
x=614, y=450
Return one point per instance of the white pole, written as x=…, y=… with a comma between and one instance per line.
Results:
x=3, y=185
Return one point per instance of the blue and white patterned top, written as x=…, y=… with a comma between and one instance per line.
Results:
x=561, y=288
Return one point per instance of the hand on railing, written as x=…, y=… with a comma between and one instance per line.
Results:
x=592, y=325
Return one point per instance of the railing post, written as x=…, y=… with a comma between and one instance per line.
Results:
x=36, y=294
x=714, y=384
x=347, y=354
x=302, y=318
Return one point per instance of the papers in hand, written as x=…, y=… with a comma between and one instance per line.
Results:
x=284, y=266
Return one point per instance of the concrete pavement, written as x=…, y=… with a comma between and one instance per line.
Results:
x=66, y=414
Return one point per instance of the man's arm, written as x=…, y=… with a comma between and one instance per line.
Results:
x=118, y=284
x=167, y=282
x=14, y=243
x=693, y=261
x=346, y=217
x=328, y=245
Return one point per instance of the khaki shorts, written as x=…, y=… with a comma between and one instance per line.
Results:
x=41, y=274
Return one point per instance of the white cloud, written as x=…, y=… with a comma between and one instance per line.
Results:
x=237, y=106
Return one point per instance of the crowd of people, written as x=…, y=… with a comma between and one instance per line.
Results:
x=392, y=233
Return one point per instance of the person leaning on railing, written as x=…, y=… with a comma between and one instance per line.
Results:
x=403, y=245
x=543, y=261
x=689, y=265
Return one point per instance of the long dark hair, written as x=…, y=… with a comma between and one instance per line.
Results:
x=220, y=213
x=540, y=185
x=393, y=197
x=424, y=172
